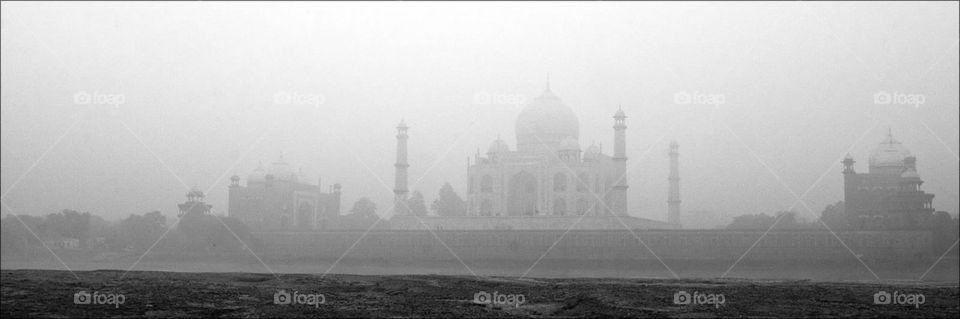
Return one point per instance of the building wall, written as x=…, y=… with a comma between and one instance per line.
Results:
x=876, y=201
x=599, y=173
x=601, y=245
x=525, y=223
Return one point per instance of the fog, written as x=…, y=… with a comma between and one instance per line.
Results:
x=198, y=83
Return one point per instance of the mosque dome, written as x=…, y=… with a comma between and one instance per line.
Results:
x=498, y=146
x=545, y=121
x=890, y=153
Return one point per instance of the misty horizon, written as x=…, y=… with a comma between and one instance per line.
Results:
x=199, y=84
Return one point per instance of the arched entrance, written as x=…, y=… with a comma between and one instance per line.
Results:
x=522, y=199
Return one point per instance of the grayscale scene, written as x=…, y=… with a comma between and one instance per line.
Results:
x=480, y=159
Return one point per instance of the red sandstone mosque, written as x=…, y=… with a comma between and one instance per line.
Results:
x=888, y=196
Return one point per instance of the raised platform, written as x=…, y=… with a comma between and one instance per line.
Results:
x=526, y=223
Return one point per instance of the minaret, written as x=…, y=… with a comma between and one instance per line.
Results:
x=618, y=195
x=673, y=198
x=400, y=186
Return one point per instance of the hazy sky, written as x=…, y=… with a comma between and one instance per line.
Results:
x=192, y=88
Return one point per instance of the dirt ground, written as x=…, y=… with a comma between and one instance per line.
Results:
x=50, y=293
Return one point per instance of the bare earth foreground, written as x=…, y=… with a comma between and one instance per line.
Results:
x=50, y=293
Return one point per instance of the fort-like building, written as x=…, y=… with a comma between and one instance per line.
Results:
x=276, y=198
x=888, y=196
x=546, y=182
x=195, y=204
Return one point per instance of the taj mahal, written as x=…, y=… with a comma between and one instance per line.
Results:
x=547, y=181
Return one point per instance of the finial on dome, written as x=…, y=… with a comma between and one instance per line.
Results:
x=620, y=113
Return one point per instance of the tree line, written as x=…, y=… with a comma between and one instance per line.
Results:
x=136, y=233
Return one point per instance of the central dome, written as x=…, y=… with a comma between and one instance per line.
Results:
x=545, y=122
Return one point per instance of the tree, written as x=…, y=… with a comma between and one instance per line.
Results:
x=69, y=223
x=758, y=221
x=139, y=232
x=834, y=217
x=416, y=205
x=448, y=203
x=364, y=208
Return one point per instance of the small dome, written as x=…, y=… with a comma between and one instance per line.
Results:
x=498, y=146
x=889, y=153
x=258, y=174
x=570, y=144
x=593, y=149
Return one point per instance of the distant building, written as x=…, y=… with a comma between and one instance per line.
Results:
x=888, y=196
x=547, y=182
x=276, y=199
x=194, y=205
